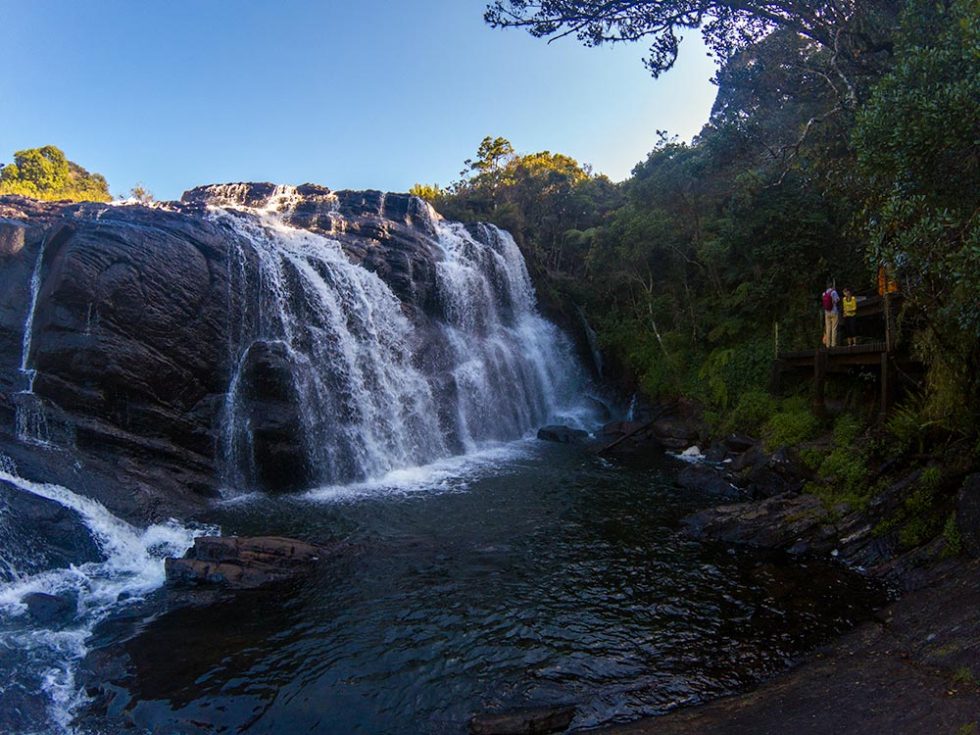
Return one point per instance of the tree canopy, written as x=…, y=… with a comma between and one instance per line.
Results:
x=845, y=35
x=843, y=137
x=46, y=173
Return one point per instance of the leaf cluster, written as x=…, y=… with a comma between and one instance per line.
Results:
x=46, y=173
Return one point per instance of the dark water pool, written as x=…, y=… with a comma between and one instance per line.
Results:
x=536, y=574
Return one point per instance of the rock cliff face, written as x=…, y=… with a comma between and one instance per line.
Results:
x=121, y=326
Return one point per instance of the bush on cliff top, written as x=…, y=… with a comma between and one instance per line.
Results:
x=46, y=173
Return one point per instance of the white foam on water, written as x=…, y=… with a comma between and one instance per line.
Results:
x=132, y=567
x=452, y=474
x=691, y=455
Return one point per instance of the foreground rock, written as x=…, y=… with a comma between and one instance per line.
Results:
x=783, y=522
x=913, y=672
x=242, y=563
x=530, y=721
x=41, y=534
x=707, y=480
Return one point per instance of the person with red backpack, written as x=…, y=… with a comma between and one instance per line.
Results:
x=831, y=314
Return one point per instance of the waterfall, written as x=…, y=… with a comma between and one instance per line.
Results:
x=42, y=657
x=376, y=389
x=31, y=419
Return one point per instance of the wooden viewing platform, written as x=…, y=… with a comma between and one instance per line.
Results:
x=880, y=351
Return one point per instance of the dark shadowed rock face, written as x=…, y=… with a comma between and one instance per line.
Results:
x=131, y=339
x=41, y=533
x=273, y=416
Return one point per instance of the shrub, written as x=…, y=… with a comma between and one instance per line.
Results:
x=753, y=410
x=951, y=535
x=846, y=430
x=792, y=424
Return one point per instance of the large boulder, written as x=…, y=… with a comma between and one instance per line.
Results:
x=38, y=534
x=562, y=434
x=708, y=480
x=242, y=563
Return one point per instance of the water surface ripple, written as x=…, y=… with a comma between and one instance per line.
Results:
x=542, y=576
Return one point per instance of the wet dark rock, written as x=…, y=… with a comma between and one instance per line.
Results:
x=11, y=238
x=968, y=514
x=781, y=522
x=42, y=534
x=738, y=443
x=707, y=480
x=20, y=709
x=242, y=563
x=562, y=434
x=50, y=609
x=620, y=428
x=132, y=344
x=765, y=477
x=530, y=721
x=716, y=452
x=754, y=456
x=271, y=409
x=676, y=432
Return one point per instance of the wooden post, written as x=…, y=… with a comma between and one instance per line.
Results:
x=819, y=377
x=775, y=339
x=887, y=308
x=886, y=387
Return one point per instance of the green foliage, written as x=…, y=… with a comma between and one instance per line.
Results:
x=45, y=173
x=141, y=194
x=754, y=408
x=430, y=192
x=952, y=537
x=549, y=202
x=845, y=474
x=847, y=428
x=793, y=424
x=919, y=519
x=828, y=153
x=907, y=426
x=916, y=144
x=964, y=676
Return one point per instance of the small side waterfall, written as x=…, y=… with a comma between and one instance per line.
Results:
x=32, y=425
x=371, y=385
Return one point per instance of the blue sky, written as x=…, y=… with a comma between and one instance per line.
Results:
x=347, y=93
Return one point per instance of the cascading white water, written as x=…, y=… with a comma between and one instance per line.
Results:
x=512, y=369
x=30, y=416
x=41, y=658
x=365, y=407
x=495, y=369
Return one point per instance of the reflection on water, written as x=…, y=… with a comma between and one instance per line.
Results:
x=540, y=576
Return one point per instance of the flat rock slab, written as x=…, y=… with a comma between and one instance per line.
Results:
x=779, y=522
x=529, y=721
x=242, y=563
x=913, y=673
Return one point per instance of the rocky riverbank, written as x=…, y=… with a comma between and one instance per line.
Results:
x=915, y=669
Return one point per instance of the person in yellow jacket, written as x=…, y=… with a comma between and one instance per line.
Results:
x=849, y=307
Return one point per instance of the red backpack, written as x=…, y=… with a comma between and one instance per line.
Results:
x=828, y=300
